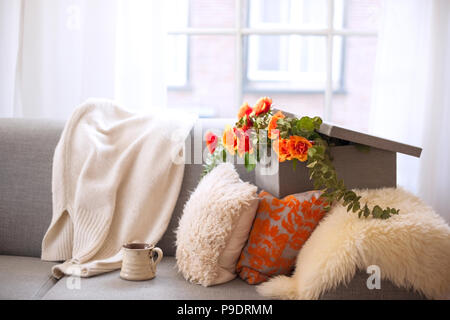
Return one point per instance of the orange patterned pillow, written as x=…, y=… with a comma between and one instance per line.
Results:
x=280, y=229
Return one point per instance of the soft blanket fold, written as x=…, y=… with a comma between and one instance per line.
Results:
x=116, y=179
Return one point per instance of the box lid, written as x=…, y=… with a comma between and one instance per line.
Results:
x=335, y=131
x=332, y=130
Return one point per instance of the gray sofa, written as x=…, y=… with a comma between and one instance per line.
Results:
x=26, y=150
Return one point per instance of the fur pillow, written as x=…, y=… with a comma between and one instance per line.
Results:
x=214, y=227
x=412, y=249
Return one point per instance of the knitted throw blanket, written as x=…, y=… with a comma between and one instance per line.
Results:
x=116, y=179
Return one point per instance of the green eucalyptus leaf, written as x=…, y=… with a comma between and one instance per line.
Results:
x=350, y=207
x=385, y=215
x=319, y=149
x=317, y=122
x=328, y=175
x=377, y=211
x=349, y=195
x=311, y=152
x=366, y=211
x=305, y=124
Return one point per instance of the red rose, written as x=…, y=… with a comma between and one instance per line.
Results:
x=244, y=143
x=211, y=141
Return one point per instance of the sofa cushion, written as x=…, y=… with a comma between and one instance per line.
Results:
x=24, y=277
x=26, y=152
x=167, y=284
x=357, y=289
x=170, y=285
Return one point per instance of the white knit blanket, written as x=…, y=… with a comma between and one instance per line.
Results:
x=116, y=179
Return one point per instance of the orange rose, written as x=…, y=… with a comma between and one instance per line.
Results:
x=273, y=132
x=298, y=148
x=281, y=148
x=211, y=141
x=229, y=140
x=245, y=109
x=243, y=142
x=262, y=106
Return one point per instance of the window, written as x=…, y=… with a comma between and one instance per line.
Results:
x=313, y=57
x=289, y=62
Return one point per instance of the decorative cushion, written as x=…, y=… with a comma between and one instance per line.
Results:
x=214, y=227
x=280, y=229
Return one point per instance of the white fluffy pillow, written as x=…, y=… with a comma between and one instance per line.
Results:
x=215, y=226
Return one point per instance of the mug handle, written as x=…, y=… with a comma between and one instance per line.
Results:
x=160, y=255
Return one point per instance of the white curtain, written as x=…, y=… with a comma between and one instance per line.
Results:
x=56, y=53
x=412, y=94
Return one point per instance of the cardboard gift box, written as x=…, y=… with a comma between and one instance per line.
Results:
x=372, y=167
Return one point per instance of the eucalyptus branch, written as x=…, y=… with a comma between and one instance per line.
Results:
x=324, y=177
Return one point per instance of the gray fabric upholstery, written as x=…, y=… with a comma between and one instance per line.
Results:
x=170, y=285
x=357, y=289
x=24, y=277
x=26, y=152
x=166, y=285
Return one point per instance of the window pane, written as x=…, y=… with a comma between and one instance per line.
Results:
x=359, y=14
x=210, y=87
x=212, y=14
x=176, y=13
x=200, y=13
x=351, y=105
x=285, y=63
x=177, y=61
x=304, y=104
x=286, y=13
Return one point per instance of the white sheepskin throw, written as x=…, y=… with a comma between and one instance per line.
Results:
x=412, y=249
x=215, y=226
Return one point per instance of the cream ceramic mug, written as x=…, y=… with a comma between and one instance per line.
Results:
x=138, y=262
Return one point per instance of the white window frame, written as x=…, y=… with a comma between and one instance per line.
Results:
x=239, y=32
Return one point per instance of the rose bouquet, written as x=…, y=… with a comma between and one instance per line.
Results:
x=260, y=129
